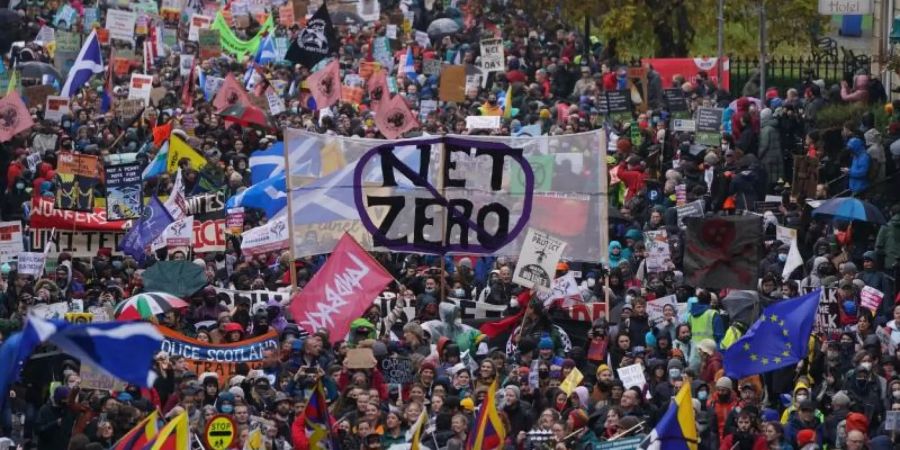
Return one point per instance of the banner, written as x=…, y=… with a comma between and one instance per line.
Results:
x=659, y=257
x=492, y=58
x=79, y=244
x=722, y=252
x=564, y=290
x=121, y=24
x=123, y=191
x=31, y=263
x=266, y=238
x=45, y=215
x=219, y=358
x=656, y=309
x=536, y=266
x=56, y=107
x=690, y=69
x=209, y=236
x=256, y=297
x=177, y=235
x=11, y=243
x=399, y=211
x=235, y=46
x=76, y=176
x=340, y=291
x=140, y=87
x=206, y=206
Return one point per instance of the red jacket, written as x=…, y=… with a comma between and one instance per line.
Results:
x=634, y=180
x=721, y=410
x=711, y=368
x=12, y=173
x=758, y=444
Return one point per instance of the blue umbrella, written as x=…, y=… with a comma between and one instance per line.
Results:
x=851, y=209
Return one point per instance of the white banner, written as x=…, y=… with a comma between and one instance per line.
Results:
x=659, y=258
x=536, y=267
x=256, y=297
x=482, y=122
x=198, y=22
x=56, y=107
x=121, y=24
x=492, y=59
x=31, y=263
x=179, y=233
x=266, y=238
x=565, y=288
x=140, y=86
x=10, y=240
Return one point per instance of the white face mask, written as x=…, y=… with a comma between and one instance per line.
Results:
x=459, y=292
x=591, y=282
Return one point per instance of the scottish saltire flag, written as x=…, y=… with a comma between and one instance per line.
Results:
x=270, y=195
x=159, y=163
x=267, y=163
x=325, y=199
x=779, y=338
x=124, y=350
x=88, y=62
x=407, y=68
x=487, y=431
x=318, y=420
x=677, y=429
x=154, y=220
x=409, y=155
x=266, y=53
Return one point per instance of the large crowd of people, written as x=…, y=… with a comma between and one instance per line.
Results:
x=844, y=395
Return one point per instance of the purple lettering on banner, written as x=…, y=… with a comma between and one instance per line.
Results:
x=487, y=242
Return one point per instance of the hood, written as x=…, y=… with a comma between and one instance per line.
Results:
x=615, y=244
x=743, y=104
x=856, y=146
x=800, y=385
x=818, y=262
x=448, y=312
x=44, y=169
x=582, y=393
x=873, y=137
x=357, y=323
x=697, y=309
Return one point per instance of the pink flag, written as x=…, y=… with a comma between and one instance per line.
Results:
x=394, y=117
x=377, y=88
x=325, y=85
x=340, y=291
x=230, y=93
x=14, y=116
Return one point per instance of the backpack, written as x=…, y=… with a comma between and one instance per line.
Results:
x=877, y=93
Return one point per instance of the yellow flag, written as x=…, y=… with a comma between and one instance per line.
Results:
x=178, y=150
x=13, y=82
x=572, y=381
x=254, y=440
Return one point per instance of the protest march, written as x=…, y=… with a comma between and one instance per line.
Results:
x=442, y=225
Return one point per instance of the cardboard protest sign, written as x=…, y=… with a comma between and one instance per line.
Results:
x=123, y=191
x=31, y=263
x=536, y=267
x=360, y=358
x=56, y=107
x=36, y=96
x=76, y=176
x=11, y=243
x=121, y=24
x=492, y=58
x=127, y=109
x=632, y=376
x=92, y=378
x=210, y=43
x=452, y=84
x=659, y=257
x=219, y=358
x=140, y=86
x=197, y=23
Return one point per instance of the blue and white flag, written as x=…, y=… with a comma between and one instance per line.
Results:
x=154, y=220
x=89, y=62
x=408, y=67
x=270, y=195
x=267, y=163
x=124, y=350
x=266, y=53
x=159, y=164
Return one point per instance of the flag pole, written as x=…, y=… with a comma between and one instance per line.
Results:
x=290, y=219
x=442, y=187
x=604, y=215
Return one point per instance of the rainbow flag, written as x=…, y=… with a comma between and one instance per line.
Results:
x=318, y=420
x=677, y=429
x=140, y=435
x=176, y=435
x=487, y=432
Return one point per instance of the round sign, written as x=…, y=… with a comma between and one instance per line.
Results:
x=220, y=433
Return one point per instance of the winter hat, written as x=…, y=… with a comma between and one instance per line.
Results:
x=724, y=382
x=200, y=262
x=515, y=390
x=840, y=399
x=806, y=436
x=237, y=391
x=579, y=418
x=545, y=343
x=765, y=114
x=710, y=159
x=465, y=261
x=602, y=368
x=60, y=394
x=858, y=422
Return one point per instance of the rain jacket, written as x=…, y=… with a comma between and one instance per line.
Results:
x=450, y=325
x=859, y=167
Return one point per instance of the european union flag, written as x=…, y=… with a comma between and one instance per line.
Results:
x=779, y=338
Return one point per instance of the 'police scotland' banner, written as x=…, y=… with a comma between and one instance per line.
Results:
x=219, y=358
x=123, y=191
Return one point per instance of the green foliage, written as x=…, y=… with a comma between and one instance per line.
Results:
x=834, y=116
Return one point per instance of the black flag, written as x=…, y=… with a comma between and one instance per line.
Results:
x=315, y=42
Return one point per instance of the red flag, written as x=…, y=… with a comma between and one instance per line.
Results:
x=340, y=291
x=394, y=117
x=14, y=116
x=230, y=93
x=377, y=88
x=325, y=85
x=187, y=91
x=161, y=133
x=494, y=329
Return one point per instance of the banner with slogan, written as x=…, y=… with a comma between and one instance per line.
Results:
x=209, y=236
x=123, y=191
x=690, y=69
x=45, y=215
x=339, y=184
x=76, y=176
x=79, y=244
x=219, y=358
x=11, y=243
x=235, y=46
x=266, y=238
x=228, y=296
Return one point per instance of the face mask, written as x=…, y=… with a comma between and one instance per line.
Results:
x=227, y=409
x=865, y=365
x=801, y=398
x=702, y=395
x=117, y=265
x=429, y=290
x=459, y=292
x=896, y=395
x=591, y=282
x=20, y=186
x=782, y=257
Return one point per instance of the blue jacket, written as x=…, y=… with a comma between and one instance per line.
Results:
x=859, y=167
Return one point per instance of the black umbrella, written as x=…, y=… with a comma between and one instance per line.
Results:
x=12, y=29
x=442, y=27
x=742, y=306
x=37, y=69
x=346, y=18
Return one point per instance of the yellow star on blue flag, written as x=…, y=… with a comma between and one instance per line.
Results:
x=779, y=338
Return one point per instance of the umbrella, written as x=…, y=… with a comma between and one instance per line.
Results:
x=742, y=306
x=247, y=116
x=442, y=27
x=147, y=305
x=179, y=278
x=346, y=18
x=851, y=209
x=753, y=100
x=13, y=29
x=36, y=69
